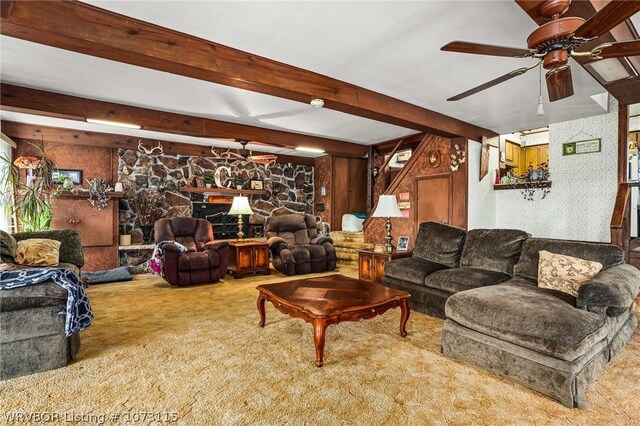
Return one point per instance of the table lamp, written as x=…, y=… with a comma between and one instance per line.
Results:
x=240, y=206
x=387, y=207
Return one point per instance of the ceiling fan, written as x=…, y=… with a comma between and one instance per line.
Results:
x=554, y=42
x=244, y=155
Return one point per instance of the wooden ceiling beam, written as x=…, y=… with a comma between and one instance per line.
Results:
x=40, y=102
x=626, y=91
x=87, y=29
x=33, y=132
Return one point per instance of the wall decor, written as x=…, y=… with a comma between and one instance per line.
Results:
x=588, y=146
x=257, y=184
x=484, y=157
x=218, y=175
x=75, y=176
x=434, y=158
x=403, y=243
x=199, y=181
x=147, y=151
x=457, y=157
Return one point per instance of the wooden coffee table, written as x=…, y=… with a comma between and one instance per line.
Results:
x=332, y=299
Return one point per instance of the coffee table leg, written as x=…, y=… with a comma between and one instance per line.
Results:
x=404, y=317
x=260, y=304
x=319, y=328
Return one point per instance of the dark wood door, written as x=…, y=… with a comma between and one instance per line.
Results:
x=357, y=185
x=261, y=257
x=433, y=199
x=340, y=185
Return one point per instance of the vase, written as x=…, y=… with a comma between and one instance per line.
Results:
x=125, y=240
x=147, y=232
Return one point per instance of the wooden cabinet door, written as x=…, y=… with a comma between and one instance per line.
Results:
x=508, y=151
x=531, y=157
x=245, y=258
x=433, y=199
x=379, y=262
x=63, y=214
x=543, y=154
x=261, y=256
x=95, y=227
x=365, y=267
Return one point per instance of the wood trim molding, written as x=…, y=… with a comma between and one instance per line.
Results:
x=32, y=132
x=105, y=34
x=623, y=141
x=50, y=104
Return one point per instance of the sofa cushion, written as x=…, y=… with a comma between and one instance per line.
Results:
x=460, y=279
x=47, y=293
x=8, y=246
x=70, y=243
x=530, y=317
x=607, y=254
x=493, y=249
x=440, y=243
x=411, y=269
x=565, y=273
x=197, y=260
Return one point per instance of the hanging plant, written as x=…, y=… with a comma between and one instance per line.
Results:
x=98, y=193
x=535, y=180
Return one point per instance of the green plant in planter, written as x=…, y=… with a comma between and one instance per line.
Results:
x=29, y=203
x=209, y=178
x=239, y=181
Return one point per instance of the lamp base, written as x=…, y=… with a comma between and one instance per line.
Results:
x=240, y=227
x=388, y=246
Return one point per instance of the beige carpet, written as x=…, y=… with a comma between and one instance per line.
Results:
x=199, y=352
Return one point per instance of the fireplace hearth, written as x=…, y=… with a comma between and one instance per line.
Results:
x=225, y=226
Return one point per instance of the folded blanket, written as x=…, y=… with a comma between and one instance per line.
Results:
x=78, y=312
x=156, y=263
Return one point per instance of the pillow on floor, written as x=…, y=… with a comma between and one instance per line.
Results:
x=109, y=276
x=38, y=252
x=565, y=273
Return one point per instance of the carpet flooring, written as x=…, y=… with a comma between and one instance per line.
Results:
x=198, y=354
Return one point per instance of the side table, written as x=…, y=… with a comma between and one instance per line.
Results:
x=248, y=257
x=371, y=264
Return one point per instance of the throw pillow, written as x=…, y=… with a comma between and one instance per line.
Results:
x=7, y=247
x=38, y=252
x=565, y=273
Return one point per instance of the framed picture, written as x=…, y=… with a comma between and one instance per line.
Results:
x=581, y=147
x=257, y=184
x=199, y=182
x=74, y=175
x=403, y=243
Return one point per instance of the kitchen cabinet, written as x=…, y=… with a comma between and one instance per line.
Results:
x=534, y=156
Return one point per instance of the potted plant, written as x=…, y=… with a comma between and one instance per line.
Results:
x=29, y=202
x=239, y=181
x=209, y=179
x=98, y=193
x=147, y=205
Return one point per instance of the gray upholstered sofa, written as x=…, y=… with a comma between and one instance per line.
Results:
x=32, y=336
x=499, y=319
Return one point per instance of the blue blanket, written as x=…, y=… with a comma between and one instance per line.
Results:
x=78, y=312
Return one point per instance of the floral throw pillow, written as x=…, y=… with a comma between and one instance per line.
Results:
x=565, y=273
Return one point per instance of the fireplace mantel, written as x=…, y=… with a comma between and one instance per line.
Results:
x=226, y=191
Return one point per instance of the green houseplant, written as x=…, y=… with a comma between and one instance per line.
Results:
x=239, y=181
x=209, y=179
x=29, y=202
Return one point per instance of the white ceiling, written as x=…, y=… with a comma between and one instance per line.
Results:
x=389, y=47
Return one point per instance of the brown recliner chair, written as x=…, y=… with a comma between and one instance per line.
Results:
x=295, y=246
x=205, y=261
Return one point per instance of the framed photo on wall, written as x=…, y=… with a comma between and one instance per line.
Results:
x=199, y=182
x=74, y=175
x=256, y=184
x=403, y=243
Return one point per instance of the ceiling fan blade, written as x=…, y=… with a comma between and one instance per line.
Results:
x=493, y=82
x=559, y=83
x=616, y=50
x=486, y=49
x=608, y=17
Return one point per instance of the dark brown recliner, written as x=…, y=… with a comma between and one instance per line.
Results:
x=295, y=246
x=205, y=261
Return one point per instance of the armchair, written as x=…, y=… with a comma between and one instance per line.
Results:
x=205, y=261
x=296, y=247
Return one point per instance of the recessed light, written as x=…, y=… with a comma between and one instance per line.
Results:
x=112, y=123
x=318, y=103
x=307, y=149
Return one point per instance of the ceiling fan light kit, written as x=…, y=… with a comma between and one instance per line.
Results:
x=554, y=42
x=317, y=103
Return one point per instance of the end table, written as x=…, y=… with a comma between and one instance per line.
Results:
x=371, y=263
x=248, y=257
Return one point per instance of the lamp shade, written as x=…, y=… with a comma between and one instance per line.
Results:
x=387, y=207
x=240, y=205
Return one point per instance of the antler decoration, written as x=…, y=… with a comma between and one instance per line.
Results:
x=150, y=151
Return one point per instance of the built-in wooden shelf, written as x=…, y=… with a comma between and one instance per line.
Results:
x=222, y=190
x=542, y=184
x=85, y=194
